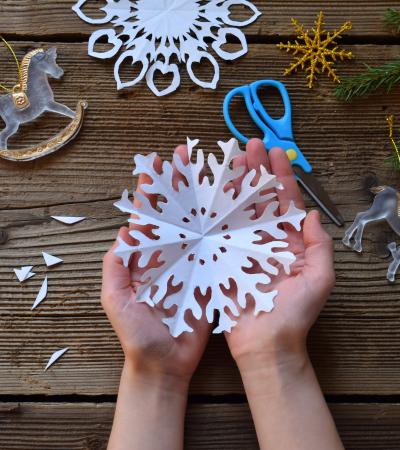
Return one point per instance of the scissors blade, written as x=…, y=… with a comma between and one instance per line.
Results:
x=319, y=195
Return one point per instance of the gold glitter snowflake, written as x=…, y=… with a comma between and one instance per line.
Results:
x=318, y=49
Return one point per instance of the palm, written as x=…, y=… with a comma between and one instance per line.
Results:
x=301, y=295
x=144, y=337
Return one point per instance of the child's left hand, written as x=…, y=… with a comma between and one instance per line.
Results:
x=146, y=341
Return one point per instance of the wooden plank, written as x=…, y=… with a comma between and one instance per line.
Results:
x=331, y=133
x=49, y=18
x=86, y=426
x=357, y=335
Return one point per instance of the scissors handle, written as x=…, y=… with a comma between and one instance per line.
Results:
x=277, y=132
x=282, y=127
x=242, y=91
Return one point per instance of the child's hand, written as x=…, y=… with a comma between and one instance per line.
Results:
x=279, y=336
x=147, y=344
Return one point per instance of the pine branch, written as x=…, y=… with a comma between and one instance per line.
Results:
x=393, y=162
x=386, y=76
x=392, y=19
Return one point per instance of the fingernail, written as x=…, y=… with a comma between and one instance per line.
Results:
x=277, y=148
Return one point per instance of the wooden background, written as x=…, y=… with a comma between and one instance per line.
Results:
x=355, y=344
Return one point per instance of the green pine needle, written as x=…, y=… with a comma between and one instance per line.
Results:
x=374, y=78
x=393, y=162
x=392, y=19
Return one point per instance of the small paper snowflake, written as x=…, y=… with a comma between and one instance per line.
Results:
x=207, y=238
x=158, y=34
x=316, y=50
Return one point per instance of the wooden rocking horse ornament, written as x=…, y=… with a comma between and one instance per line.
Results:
x=30, y=98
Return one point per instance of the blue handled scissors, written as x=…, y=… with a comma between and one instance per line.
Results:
x=279, y=133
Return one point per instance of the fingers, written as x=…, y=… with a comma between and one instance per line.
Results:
x=282, y=168
x=257, y=156
x=148, y=230
x=177, y=177
x=145, y=179
x=254, y=157
x=319, y=264
x=239, y=161
x=116, y=276
x=201, y=327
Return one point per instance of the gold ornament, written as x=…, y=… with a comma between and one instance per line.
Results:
x=394, y=160
x=19, y=95
x=20, y=98
x=315, y=50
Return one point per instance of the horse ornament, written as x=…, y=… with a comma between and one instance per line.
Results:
x=386, y=206
x=29, y=99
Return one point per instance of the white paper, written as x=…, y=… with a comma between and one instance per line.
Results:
x=206, y=237
x=41, y=294
x=51, y=260
x=55, y=356
x=157, y=35
x=24, y=273
x=68, y=220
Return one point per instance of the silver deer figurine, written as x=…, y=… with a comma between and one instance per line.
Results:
x=386, y=206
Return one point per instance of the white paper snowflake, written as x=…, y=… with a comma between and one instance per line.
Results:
x=207, y=238
x=159, y=34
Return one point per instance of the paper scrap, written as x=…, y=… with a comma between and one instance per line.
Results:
x=157, y=36
x=68, y=220
x=41, y=295
x=55, y=356
x=51, y=260
x=24, y=273
x=206, y=238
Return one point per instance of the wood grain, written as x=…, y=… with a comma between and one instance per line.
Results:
x=86, y=426
x=356, y=338
x=338, y=138
x=355, y=343
x=49, y=18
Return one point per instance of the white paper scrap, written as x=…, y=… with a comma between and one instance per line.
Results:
x=68, y=220
x=55, y=356
x=51, y=260
x=41, y=295
x=24, y=273
x=158, y=35
x=207, y=239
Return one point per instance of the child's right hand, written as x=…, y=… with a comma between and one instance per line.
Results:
x=277, y=337
x=286, y=401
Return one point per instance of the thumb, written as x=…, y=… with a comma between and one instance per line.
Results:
x=116, y=276
x=319, y=267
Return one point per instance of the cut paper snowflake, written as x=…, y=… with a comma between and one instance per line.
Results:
x=55, y=357
x=319, y=50
x=157, y=35
x=24, y=273
x=206, y=240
